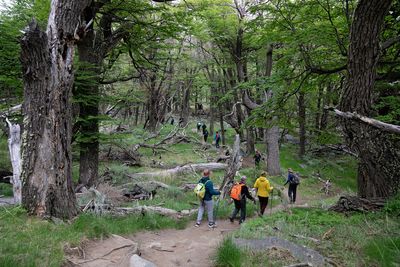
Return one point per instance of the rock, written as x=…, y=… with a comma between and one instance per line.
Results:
x=155, y=245
x=137, y=261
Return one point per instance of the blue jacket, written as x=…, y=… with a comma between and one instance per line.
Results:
x=209, y=188
x=289, y=178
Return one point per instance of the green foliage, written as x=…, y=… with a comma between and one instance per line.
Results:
x=384, y=252
x=29, y=241
x=6, y=190
x=5, y=163
x=228, y=255
x=392, y=206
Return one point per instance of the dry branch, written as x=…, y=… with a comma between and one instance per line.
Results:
x=391, y=128
x=180, y=170
x=234, y=165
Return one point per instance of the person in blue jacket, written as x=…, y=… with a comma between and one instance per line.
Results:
x=207, y=202
x=292, y=186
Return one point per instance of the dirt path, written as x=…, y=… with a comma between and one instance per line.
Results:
x=188, y=247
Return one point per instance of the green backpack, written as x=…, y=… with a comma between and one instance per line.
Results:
x=200, y=189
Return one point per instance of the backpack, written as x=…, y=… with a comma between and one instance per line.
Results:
x=236, y=191
x=200, y=189
x=295, y=179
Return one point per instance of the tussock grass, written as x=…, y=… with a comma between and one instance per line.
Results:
x=228, y=255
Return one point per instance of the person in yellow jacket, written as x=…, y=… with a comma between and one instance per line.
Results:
x=263, y=189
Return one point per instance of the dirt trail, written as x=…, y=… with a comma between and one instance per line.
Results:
x=188, y=247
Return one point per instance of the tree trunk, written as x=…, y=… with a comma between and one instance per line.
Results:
x=319, y=109
x=302, y=124
x=379, y=152
x=327, y=101
x=14, y=146
x=185, y=111
x=272, y=142
x=47, y=60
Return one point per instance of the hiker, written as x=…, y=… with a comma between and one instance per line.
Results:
x=204, y=127
x=217, y=139
x=172, y=121
x=198, y=126
x=293, y=183
x=207, y=202
x=181, y=122
x=239, y=193
x=205, y=135
x=257, y=158
x=263, y=189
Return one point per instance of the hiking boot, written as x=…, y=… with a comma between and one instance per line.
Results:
x=231, y=219
x=240, y=222
x=212, y=225
x=197, y=225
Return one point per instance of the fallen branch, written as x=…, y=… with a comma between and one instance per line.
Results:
x=307, y=238
x=180, y=170
x=154, y=209
x=391, y=128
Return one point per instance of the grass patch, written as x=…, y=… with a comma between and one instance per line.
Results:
x=5, y=163
x=371, y=236
x=228, y=255
x=27, y=241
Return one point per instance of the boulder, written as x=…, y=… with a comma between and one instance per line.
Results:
x=137, y=261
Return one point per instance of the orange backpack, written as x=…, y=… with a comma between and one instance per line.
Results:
x=236, y=191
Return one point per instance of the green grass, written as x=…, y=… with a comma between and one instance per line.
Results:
x=27, y=241
x=370, y=236
x=228, y=255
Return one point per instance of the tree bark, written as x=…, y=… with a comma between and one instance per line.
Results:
x=47, y=60
x=302, y=124
x=379, y=153
x=14, y=146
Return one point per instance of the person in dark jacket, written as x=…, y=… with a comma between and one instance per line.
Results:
x=205, y=135
x=207, y=201
x=257, y=158
x=217, y=139
x=292, y=186
x=241, y=204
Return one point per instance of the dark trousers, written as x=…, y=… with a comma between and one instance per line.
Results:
x=239, y=205
x=217, y=143
x=292, y=192
x=205, y=138
x=263, y=204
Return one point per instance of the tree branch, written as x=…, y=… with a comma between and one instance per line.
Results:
x=391, y=128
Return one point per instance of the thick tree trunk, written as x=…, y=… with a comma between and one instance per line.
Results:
x=48, y=77
x=185, y=112
x=14, y=146
x=302, y=124
x=327, y=102
x=379, y=152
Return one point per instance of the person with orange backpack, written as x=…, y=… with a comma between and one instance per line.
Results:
x=263, y=189
x=239, y=193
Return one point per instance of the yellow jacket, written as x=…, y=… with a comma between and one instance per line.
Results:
x=263, y=187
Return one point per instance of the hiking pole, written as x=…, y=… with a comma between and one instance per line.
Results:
x=272, y=197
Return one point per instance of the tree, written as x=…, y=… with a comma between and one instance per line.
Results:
x=47, y=59
x=379, y=153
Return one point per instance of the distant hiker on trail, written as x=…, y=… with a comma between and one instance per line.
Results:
x=257, y=158
x=172, y=121
x=198, y=126
x=180, y=122
x=293, y=181
x=205, y=135
x=204, y=127
x=239, y=192
x=206, y=202
x=263, y=189
x=217, y=139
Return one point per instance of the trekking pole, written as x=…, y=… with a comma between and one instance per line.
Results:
x=272, y=197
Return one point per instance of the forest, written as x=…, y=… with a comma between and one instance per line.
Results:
x=111, y=111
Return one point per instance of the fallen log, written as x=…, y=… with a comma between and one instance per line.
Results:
x=180, y=170
x=154, y=209
x=353, y=203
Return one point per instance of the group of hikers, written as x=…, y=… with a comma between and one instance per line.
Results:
x=203, y=127
x=239, y=193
